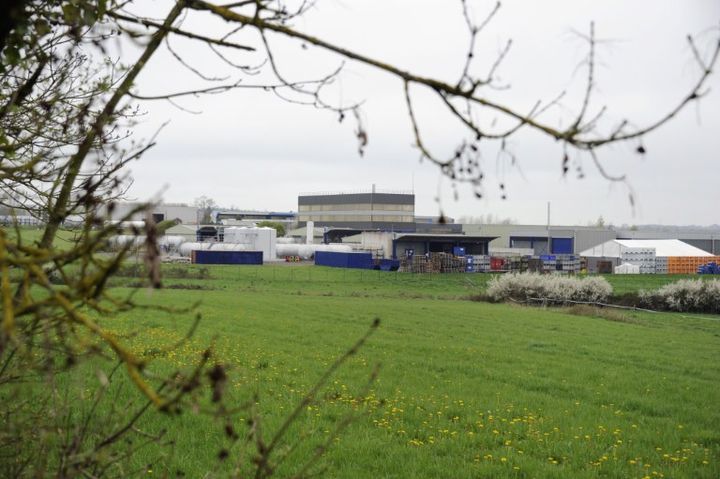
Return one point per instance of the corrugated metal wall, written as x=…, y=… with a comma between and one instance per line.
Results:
x=562, y=245
x=226, y=257
x=344, y=260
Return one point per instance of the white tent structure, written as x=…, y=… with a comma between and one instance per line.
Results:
x=664, y=248
x=627, y=268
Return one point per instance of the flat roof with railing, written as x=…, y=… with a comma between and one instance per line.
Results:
x=359, y=192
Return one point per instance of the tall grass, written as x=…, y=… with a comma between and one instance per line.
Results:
x=466, y=389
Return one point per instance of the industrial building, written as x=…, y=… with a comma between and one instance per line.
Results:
x=160, y=212
x=372, y=210
x=232, y=216
x=391, y=245
x=542, y=239
x=410, y=244
x=384, y=224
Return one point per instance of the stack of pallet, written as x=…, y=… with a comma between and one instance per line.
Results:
x=415, y=264
x=525, y=263
x=569, y=264
x=447, y=263
x=642, y=257
x=481, y=263
x=535, y=265
x=549, y=263
x=514, y=264
x=421, y=265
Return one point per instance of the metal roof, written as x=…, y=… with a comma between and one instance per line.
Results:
x=441, y=236
x=665, y=247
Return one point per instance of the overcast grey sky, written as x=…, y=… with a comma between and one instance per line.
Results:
x=252, y=150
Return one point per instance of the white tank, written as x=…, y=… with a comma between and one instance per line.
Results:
x=119, y=241
x=310, y=232
x=307, y=251
x=172, y=241
x=187, y=248
x=258, y=239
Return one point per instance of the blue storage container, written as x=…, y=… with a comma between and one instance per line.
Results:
x=344, y=260
x=227, y=257
x=459, y=250
x=470, y=260
x=562, y=245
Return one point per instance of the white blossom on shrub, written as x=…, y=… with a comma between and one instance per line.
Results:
x=686, y=295
x=528, y=286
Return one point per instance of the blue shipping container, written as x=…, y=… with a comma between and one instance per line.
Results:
x=344, y=260
x=227, y=257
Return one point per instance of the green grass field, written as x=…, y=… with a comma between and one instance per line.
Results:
x=466, y=389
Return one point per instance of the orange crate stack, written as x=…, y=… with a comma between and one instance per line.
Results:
x=673, y=265
x=688, y=264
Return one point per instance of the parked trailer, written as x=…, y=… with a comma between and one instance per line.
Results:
x=226, y=257
x=344, y=260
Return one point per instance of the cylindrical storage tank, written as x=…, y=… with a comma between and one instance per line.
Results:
x=120, y=241
x=173, y=241
x=306, y=251
x=310, y=232
x=186, y=248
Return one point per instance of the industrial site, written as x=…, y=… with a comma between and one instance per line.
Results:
x=295, y=239
x=379, y=230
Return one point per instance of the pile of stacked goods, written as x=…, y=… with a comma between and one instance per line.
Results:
x=477, y=263
x=415, y=264
x=643, y=257
x=710, y=268
x=447, y=263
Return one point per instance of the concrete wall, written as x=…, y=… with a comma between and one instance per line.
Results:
x=376, y=240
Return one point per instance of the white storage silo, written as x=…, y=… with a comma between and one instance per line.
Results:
x=255, y=239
